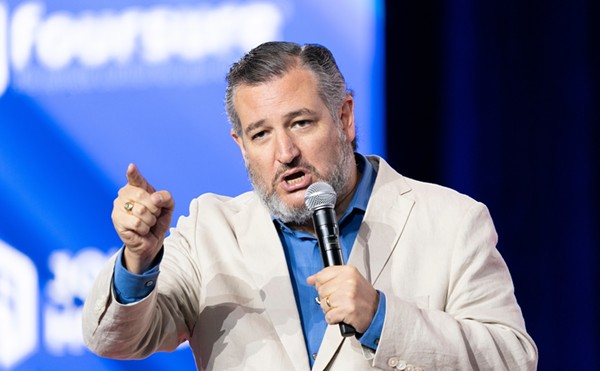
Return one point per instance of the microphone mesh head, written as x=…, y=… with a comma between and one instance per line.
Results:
x=318, y=195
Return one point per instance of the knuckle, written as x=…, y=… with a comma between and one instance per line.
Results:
x=137, y=225
x=142, y=210
x=329, y=317
x=138, y=194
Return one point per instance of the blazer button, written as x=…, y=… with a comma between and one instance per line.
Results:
x=393, y=362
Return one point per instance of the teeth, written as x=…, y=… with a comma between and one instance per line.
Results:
x=295, y=180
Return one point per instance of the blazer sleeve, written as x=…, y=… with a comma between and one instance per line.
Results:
x=159, y=322
x=481, y=326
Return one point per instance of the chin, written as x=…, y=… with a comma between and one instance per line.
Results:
x=293, y=201
x=288, y=210
x=299, y=217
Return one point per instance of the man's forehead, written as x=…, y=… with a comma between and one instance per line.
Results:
x=296, y=90
x=300, y=73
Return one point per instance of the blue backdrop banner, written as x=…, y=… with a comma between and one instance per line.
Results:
x=88, y=87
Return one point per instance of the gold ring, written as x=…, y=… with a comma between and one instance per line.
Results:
x=128, y=206
x=327, y=302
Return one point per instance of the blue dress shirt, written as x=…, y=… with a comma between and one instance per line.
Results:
x=303, y=260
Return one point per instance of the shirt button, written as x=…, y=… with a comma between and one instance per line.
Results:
x=314, y=356
x=393, y=362
x=149, y=283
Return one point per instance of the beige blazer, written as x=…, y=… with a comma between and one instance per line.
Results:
x=224, y=286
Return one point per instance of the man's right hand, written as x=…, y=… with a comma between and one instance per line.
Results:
x=142, y=217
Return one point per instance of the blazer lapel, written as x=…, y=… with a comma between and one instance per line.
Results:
x=265, y=259
x=378, y=236
x=386, y=215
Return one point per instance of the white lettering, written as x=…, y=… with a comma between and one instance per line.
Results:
x=133, y=46
x=23, y=29
x=155, y=35
x=56, y=41
x=108, y=37
x=256, y=29
x=73, y=278
x=4, y=71
x=18, y=306
x=62, y=331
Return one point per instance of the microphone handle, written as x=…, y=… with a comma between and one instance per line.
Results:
x=326, y=228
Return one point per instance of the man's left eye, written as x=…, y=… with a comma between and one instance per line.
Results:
x=302, y=123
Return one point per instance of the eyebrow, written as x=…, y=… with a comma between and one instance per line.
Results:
x=253, y=126
x=288, y=116
x=300, y=112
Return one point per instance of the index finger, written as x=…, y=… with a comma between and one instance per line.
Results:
x=323, y=275
x=135, y=178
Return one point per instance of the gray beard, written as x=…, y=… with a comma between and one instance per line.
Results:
x=338, y=179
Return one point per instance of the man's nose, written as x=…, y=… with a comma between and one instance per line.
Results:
x=287, y=150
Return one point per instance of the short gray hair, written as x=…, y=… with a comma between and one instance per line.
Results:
x=273, y=59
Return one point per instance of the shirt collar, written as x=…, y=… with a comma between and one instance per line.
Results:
x=360, y=200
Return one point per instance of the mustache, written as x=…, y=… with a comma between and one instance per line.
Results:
x=295, y=163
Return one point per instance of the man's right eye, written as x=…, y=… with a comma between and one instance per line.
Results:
x=258, y=135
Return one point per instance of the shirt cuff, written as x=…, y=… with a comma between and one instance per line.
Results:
x=370, y=338
x=130, y=287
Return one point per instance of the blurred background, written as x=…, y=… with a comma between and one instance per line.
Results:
x=496, y=99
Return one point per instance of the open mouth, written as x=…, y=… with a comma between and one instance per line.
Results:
x=294, y=179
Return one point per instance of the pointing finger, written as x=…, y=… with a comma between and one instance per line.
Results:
x=135, y=178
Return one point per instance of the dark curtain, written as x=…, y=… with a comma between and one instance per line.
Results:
x=500, y=100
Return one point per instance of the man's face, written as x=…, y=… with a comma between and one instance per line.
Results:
x=289, y=141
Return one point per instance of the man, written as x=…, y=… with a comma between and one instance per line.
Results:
x=242, y=279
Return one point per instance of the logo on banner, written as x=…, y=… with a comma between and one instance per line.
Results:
x=61, y=309
x=102, y=49
x=18, y=306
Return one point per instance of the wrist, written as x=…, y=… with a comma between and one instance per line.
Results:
x=138, y=263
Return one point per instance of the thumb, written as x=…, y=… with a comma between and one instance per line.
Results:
x=163, y=199
x=165, y=202
x=311, y=280
x=136, y=179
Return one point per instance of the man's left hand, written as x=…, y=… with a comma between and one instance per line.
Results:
x=346, y=296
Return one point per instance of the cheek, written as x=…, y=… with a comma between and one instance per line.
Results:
x=257, y=162
x=261, y=168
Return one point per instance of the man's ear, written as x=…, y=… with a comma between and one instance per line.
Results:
x=239, y=141
x=347, y=118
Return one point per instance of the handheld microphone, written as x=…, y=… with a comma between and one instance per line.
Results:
x=320, y=200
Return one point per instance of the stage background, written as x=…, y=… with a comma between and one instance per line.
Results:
x=500, y=100
x=496, y=99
